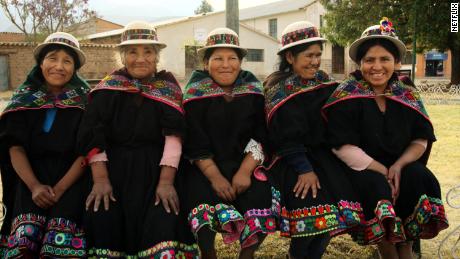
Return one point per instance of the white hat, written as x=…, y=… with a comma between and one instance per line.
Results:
x=222, y=38
x=299, y=33
x=62, y=38
x=384, y=31
x=138, y=32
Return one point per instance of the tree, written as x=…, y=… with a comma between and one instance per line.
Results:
x=345, y=20
x=204, y=7
x=35, y=17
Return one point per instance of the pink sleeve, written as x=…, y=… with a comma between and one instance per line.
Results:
x=353, y=156
x=421, y=141
x=172, y=151
x=98, y=157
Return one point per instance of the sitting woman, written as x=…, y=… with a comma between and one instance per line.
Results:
x=224, y=107
x=39, y=129
x=379, y=127
x=315, y=199
x=131, y=134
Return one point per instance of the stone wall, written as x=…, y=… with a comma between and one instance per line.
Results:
x=101, y=60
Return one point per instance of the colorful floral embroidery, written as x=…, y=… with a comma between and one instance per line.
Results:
x=104, y=253
x=222, y=39
x=309, y=221
x=158, y=89
x=32, y=96
x=384, y=225
x=27, y=234
x=170, y=249
x=277, y=95
x=3, y=246
x=221, y=218
x=302, y=34
x=257, y=221
x=428, y=219
x=396, y=91
x=201, y=85
x=63, y=239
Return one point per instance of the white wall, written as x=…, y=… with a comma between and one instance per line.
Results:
x=178, y=35
x=283, y=20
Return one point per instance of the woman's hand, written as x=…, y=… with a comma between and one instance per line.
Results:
x=43, y=196
x=394, y=175
x=166, y=193
x=223, y=188
x=306, y=181
x=102, y=190
x=241, y=181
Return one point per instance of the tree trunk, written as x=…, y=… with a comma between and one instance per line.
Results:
x=455, y=56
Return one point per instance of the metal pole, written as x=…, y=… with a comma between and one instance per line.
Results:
x=414, y=47
x=232, y=15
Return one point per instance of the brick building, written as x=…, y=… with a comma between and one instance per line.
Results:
x=16, y=60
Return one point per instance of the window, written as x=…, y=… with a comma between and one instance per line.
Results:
x=255, y=55
x=273, y=28
x=407, y=59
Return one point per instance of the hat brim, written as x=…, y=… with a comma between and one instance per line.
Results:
x=292, y=44
x=203, y=49
x=80, y=54
x=142, y=42
x=353, y=51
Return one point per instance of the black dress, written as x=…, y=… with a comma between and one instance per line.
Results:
x=354, y=118
x=128, y=120
x=221, y=129
x=53, y=232
x=295, y=126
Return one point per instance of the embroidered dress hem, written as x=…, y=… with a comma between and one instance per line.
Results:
x=220, y=218
x=350, y=216
x=428, y=219
x=385, y=225
x=258, y=221
x=3, y=246
x=60, y=239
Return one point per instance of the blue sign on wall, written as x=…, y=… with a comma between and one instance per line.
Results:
x=433, y=55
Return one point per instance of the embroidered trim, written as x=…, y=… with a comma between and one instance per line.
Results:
x=3, y=246
x=27, y=234
x=396, y=91
x=220, y=218
x=170, y=249
x=63, y=239
x=31, y=96
x=256, y=151
x=257, y=221
x=201, y=85
x=139, y=34
x=385, y=225
x=104, y=253
x=278, y=94
x=222, y=39
x=428, y=219
x=157, y=89
x=301, y=34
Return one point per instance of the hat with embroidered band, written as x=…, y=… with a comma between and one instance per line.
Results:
x=222, y=38
x=61, y=38
x=139, y=32
x=384, y=31
x=299, y=33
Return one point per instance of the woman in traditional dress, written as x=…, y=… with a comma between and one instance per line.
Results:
x=224, y=107
x=314, y=203
x=38, y=131
x=379, y=127
x=131, y=135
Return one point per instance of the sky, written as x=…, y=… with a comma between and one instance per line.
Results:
x=122, y=11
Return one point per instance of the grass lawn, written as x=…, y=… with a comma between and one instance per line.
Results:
x=444, y=162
